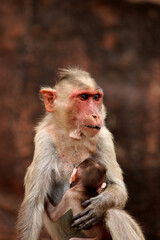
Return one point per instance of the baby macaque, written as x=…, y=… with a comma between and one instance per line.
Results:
x=87, y=180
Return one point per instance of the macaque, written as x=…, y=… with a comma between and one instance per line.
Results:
x=87, y=180
x=72, y=130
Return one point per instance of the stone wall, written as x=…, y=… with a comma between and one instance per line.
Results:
x=119, y=43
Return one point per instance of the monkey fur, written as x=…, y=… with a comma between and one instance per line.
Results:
x=72, y=130
x=88, y=180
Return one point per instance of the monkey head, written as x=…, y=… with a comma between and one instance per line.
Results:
x=91, y=175
x=77, y=102
x=84, y=111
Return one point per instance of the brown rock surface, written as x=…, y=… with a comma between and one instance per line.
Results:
x=119, y=43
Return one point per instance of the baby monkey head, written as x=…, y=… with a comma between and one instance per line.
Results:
x=91, y=175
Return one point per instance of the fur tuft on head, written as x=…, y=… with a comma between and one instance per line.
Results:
x=76, y=77
x=69, y=72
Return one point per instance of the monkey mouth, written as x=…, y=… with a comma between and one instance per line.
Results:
x=93, y=127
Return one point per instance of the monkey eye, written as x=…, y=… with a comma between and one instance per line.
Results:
x=96, y=97
x=83, y=96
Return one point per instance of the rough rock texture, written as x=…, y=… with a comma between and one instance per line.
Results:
x=119, y=43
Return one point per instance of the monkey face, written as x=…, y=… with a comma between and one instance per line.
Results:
x=77, y=106
x=84, y=111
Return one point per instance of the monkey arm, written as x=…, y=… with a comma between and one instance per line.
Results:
x=115, y=194
x=55, y=213
x=37, y=183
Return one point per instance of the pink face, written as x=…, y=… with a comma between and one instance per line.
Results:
x=85, y=111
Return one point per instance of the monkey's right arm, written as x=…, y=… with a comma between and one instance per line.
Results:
x=37, y=184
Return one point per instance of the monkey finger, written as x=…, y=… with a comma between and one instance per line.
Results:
x=87, y=225
x=80, y=221
x=85, y=212
x=87, y=202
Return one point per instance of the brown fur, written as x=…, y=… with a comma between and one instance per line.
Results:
x=86, y=181
x=59, y=144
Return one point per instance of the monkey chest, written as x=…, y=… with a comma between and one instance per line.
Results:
x=74, y=154
x=68, y=158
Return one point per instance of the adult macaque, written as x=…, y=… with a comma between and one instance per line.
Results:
x=88, y=180
x=72, y=130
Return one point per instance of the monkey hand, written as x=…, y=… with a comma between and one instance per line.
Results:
x=93, y=213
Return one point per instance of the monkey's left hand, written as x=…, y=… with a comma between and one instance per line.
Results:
x=94, y=212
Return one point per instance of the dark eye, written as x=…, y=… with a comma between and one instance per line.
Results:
x=96, y=97
x=83, y=96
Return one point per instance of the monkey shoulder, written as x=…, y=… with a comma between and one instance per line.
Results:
x=73, y=195
x=44, y=144
x=43, y=136
x=74, y=200
x=69, y=194
x=69, y=197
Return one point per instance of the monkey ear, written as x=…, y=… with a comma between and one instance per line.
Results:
x=102, y=186
x=74, y=176
x=49, y=96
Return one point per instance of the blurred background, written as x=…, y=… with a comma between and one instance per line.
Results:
x=119, y=43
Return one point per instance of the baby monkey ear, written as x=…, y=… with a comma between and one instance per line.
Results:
x=74, y=176
x=102, y=186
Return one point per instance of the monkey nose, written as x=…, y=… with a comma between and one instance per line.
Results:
x=97, y=119
x=95, y=116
